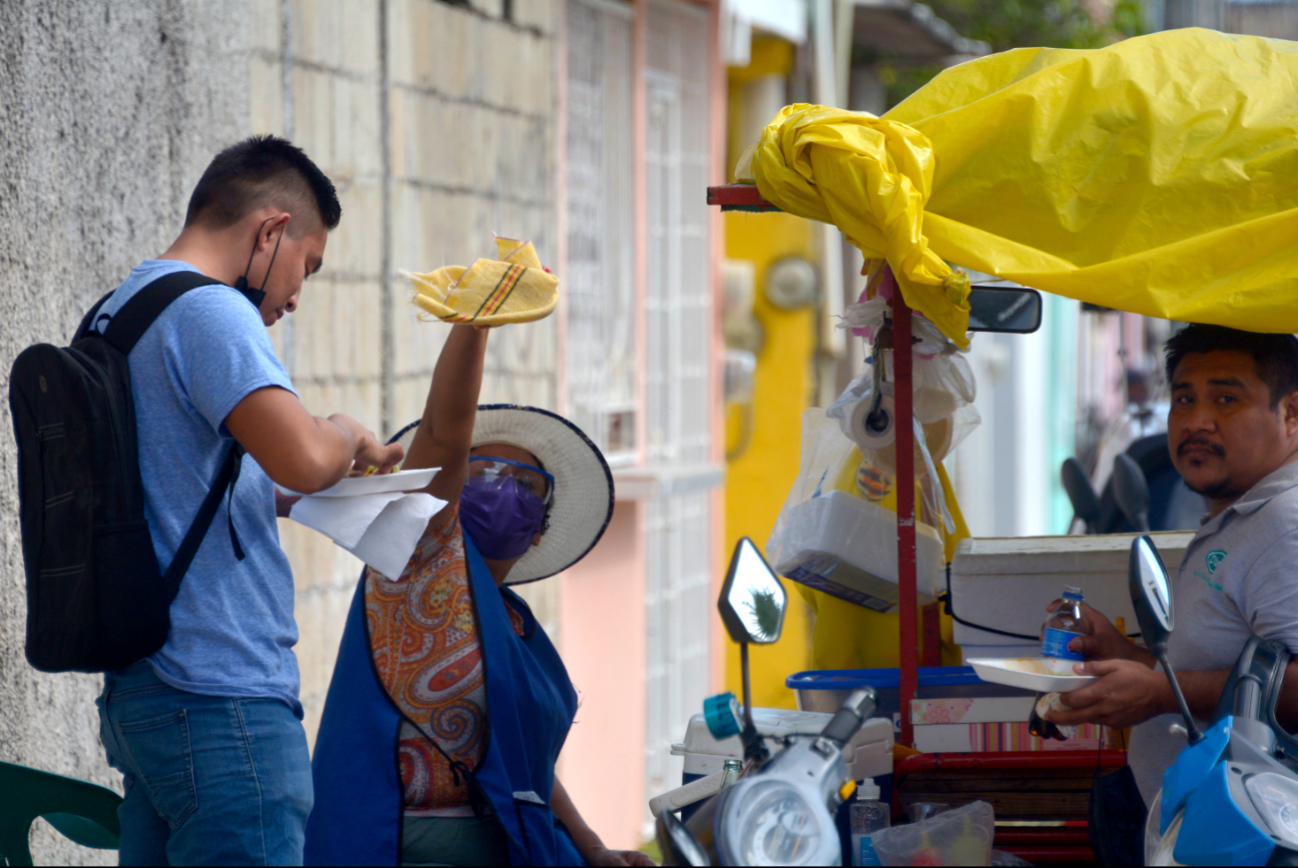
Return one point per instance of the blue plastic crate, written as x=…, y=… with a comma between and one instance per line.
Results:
x=825, y=689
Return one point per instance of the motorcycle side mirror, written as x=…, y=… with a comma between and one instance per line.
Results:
x=1011, y=310
x=1131, y=491
x=1081, y=494
x=752, y=599
x=752, y=606
x=1151, y=594
x=1151, y=597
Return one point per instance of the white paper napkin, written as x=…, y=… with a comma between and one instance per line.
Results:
x=380, y=529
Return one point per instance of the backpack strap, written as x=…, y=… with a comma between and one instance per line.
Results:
x=124, y=330
x=130, y=323
x=88, y=321
x=194, y=536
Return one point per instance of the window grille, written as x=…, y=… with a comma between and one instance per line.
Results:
x=679, y=298
x=679, y=609
x=601, y=345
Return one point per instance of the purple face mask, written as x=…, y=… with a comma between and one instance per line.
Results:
x=500, y=516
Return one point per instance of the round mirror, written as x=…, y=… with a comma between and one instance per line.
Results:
x=1151, y=592
x=752, y=600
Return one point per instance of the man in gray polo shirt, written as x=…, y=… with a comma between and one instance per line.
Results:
x=1233, y=434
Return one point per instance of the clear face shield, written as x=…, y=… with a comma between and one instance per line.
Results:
x=490, y=471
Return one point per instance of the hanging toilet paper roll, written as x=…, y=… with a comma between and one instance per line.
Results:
x=873, y=437
x=938, y=437
x=932, y=405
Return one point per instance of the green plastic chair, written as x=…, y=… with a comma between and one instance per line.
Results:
x=83, y=812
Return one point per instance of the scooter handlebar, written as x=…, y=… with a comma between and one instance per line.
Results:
x=849, y=717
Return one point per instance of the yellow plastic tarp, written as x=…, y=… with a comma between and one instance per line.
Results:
x=1158, y=175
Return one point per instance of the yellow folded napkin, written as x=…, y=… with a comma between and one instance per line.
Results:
x=513, y=288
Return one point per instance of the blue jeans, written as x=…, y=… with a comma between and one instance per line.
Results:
x=210, y=780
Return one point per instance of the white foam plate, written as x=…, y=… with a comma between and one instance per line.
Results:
x=351, y=486
x=1042, y=674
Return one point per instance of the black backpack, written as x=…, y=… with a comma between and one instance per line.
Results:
x=96, y=600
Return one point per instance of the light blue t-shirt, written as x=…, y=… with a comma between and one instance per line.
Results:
x=232, y=627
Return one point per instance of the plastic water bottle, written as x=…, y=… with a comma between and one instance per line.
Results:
x=1063, y=625
x=868, y=815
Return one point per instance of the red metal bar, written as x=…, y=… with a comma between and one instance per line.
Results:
x=932, y=635
x=1039, y=837
x=732, y=197
x=1009, y=761
x=907, y=604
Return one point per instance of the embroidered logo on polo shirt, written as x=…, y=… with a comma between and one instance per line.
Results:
x=1213, y=558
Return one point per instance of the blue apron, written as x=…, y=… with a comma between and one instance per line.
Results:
x=530, y=707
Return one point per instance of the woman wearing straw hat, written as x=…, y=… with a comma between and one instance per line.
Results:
x=449, y=706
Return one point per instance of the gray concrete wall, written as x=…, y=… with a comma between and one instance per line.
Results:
x=437, y=125
x=436, y=122
x=108, y=114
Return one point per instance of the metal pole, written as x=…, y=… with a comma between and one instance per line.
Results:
x=905, y=445
x=932, y=634
x=748, y=690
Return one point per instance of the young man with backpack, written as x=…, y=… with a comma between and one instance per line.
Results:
x=207, y=730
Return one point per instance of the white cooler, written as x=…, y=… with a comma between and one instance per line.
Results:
x=867, y=755
x=1007, y=582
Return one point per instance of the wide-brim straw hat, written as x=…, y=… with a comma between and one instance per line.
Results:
x=582, y=505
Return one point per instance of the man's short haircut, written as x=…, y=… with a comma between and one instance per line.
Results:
x=1276, y=356
x=262, y=170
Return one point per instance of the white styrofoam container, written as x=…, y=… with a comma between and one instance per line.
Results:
x=847, y=547
x=972, y=652
x=867, y=755
x=1007, y=582
x=1057, y=677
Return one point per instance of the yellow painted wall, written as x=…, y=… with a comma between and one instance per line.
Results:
x=758, y=480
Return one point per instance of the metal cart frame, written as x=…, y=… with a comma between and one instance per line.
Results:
x=1058, y=843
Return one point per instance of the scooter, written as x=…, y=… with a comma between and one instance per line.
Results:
x=1231, y=798
x=781, y=810
x=1172, y=505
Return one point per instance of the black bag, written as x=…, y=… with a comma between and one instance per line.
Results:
x=1116, y=818
x=96, y=600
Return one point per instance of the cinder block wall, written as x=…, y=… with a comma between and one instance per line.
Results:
x=437, y=124
x=108, y=114
x=435, y=121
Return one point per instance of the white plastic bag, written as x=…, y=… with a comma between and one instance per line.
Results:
x=943, y=390
x=962, y=836
x=835, y=532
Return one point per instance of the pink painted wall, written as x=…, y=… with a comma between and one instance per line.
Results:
x=602, y=611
